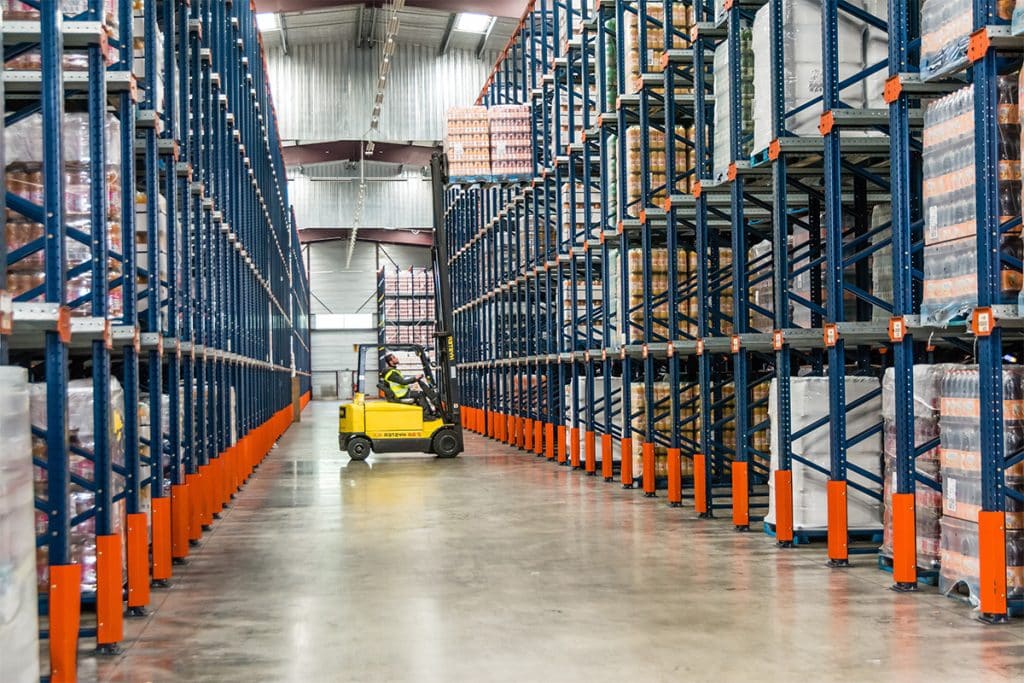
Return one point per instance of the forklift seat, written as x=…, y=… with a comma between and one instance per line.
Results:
x=389, y=395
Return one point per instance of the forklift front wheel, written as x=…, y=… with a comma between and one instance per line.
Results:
x=359, y=448
x=446, y=443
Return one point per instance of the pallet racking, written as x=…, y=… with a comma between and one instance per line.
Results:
x=804, y=222
x=197, y=304
x=405, y=307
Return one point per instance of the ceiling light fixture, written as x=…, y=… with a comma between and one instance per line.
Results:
x=471, y=22
x=268, y=21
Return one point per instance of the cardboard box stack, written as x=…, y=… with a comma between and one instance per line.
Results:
x=468, y=142
x=656, y=165
x=511, y=140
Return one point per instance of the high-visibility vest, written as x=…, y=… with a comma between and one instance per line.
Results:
x=397, y=388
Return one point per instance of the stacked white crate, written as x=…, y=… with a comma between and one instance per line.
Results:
x=809, y=403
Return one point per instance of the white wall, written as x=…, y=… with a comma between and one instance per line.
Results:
x=336, y=289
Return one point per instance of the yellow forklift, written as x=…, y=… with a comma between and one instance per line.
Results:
x=433, y=425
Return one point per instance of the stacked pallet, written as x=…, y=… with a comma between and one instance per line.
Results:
x=468, y=142
x=662, y=427
x=928, y=502
x=960, y=460
x=656, y=167
x=682, y=22
x=950, y=204
x=82, y=538
x=24, y=178
x=574, y=227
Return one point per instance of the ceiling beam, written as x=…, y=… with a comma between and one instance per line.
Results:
x=420, y=237
x=446, y=40
x=348, y=150
x=483, y=40
x=498, y=8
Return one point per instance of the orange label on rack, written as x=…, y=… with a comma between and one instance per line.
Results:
x=897, y=329
x=983, y=320
x=735, y=345
x=64, y=324
x=774, y=150
x=827, y=123
x=700, y=347
x=778, y=340
x=830, y=334
x=108, y=338
x=978, y=46
x=893, y=89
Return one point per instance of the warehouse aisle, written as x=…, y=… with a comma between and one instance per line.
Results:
x=494, y=567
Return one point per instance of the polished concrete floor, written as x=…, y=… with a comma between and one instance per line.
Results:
x=497, y=567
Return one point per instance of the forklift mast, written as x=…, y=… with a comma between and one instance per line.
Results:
x=445, y=346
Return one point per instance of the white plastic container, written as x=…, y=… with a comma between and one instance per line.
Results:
x=19, y=628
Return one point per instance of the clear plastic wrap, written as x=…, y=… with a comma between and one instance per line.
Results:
x=809, y=402
x=81, y=435
x=946, y=27
x=881, y=265
x=574, y=206
x=1018, y=18
x=928, y=501
x=682, y=21
x=723, y=94
x=762, y=292
x=802, y=77
x=24, y=178
x=19, y=629
x=662, y=426
x=656, y=166
x=600, y=413
x=686, y=268
x=511, y=140
x=960, y=433
x=960, y=565
x=467, y=142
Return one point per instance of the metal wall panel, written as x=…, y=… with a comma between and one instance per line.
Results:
x=341, y=291
x=325, y=91
x=398, y=201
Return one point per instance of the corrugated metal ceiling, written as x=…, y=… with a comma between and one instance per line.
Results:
x=416, y=27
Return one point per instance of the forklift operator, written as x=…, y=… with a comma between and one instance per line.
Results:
x=399, y=384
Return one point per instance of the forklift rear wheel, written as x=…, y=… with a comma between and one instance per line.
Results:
x=359, y=448
x=446, y=444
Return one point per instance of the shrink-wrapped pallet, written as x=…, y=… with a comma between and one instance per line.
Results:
x=960, y=409
x=802, y=77
x=762, y=287
x=602, y=415
x=656, y=167
x=19, y=629
x=723, y=102
x=682, y=21
x=946, y=28
x=24, y=178
x=928, y=501
x=950, y=288
x=960, y=545
x=468, y=142
x=81, y=435
x=809, y=402
x=511, y=140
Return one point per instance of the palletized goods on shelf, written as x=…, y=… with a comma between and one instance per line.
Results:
x=686, y=311
x=656, y=167
x=662, y=426
x=574, y=213
x=928, y=501
x=24, y=178
x=859, y=48
x=511, y=142
x=723, y=128
x=809, y=400
x=960, y=564
x=468, y=142
x=602, y=414
x=762, y=287
x=950, y=205
x=19, y=629
x=946, y=27
x=81, y=434
x=961, y=451
x=682, y=21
